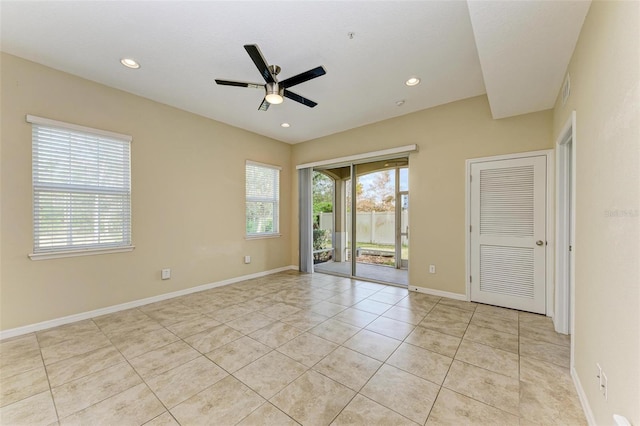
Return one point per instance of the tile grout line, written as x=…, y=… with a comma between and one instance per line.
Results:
x=490, y=371
x=87, y=375
x=453, y=358
x=307, y=368
x=136, y=371
x=46, y=372
x=331, y=352
x=383, y=363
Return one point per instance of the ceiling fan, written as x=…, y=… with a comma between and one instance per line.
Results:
x=274, y=89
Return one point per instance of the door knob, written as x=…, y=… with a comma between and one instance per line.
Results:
x=539, y=242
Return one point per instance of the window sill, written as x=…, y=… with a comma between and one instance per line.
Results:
x=261, y=237
x=76, y=253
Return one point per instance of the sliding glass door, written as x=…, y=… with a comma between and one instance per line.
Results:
x=368, y=217
x=331, y=224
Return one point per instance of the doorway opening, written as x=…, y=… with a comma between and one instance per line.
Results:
x=361, y=220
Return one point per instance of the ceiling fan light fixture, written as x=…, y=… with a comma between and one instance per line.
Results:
x=273, y=94
x=413, y=81
x=274, y=98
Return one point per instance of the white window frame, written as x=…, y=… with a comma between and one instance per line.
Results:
x=42, y=186
x=275, y=200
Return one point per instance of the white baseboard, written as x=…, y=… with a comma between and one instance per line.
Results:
x=583, y=398
x=18, y=331
x=433, y=292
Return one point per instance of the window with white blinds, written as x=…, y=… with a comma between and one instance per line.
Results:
x=81, y=188
x=262, y=199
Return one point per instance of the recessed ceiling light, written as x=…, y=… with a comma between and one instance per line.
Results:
x=412, y=81
x=130, y=63
x=285, y=125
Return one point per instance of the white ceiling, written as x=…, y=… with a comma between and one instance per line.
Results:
x=515, y=51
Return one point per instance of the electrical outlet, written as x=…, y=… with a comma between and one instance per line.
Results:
x=432, y=269
x=166, y=274
x=247, y=259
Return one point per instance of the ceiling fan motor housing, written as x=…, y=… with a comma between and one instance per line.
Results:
x=275, y=70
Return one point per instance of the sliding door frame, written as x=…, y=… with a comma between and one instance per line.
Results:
x=352, y=161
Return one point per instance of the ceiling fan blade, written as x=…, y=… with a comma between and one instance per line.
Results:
x=239, y=84
x=261, y=64
x=302, y=77
x=264, y=105
x=298, y=98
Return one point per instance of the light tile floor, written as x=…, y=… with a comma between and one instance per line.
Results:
x=293, y=349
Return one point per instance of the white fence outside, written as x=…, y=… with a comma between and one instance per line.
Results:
x=371, y=227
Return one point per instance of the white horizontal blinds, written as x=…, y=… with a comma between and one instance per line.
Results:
x=81, y=189
x=262, y=199
x=506, y=201
x=507, y=270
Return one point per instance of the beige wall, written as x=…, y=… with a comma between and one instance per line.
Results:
x=187, y=199
x=605, y=93
x=447, y=136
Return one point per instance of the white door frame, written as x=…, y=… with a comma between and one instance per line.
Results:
x=565, y=228
x=550, y=256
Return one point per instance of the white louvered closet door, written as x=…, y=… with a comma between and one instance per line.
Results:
x=508, y=243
